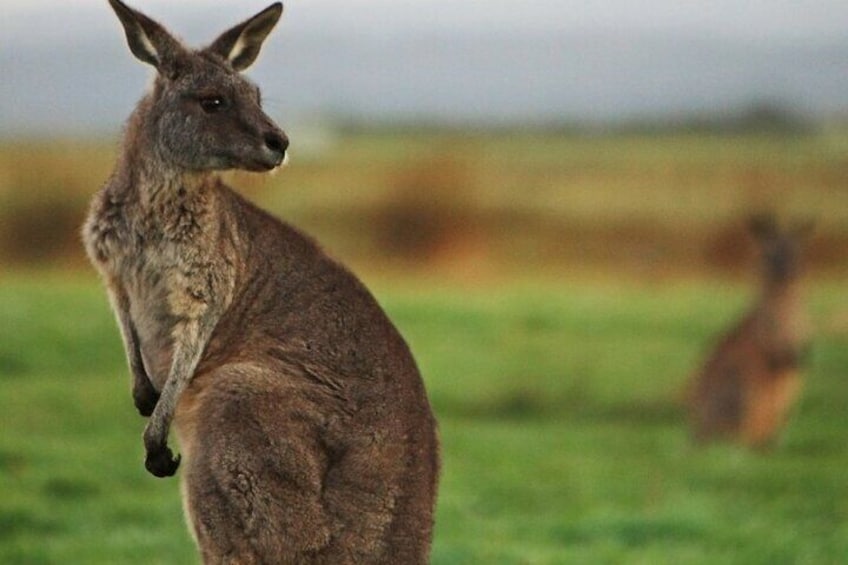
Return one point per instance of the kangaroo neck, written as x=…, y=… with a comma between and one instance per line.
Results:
x=783, y=293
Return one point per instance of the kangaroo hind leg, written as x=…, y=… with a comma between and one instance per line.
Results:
x=253, y=475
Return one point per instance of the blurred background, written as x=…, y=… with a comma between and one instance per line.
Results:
x=594, y=133
x=549, y=198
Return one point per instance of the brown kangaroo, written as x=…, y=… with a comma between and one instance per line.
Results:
x=752, y=378
x=304, y=426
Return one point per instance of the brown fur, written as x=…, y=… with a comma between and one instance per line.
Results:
x=304, y=426
x=748, y=384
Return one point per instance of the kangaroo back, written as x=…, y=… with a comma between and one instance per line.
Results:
x=749, y=382
x=304, y=427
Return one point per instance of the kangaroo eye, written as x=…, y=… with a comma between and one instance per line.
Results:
x=211, y=104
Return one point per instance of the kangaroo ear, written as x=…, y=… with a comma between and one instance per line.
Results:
x=240, y=45
x=148, y=41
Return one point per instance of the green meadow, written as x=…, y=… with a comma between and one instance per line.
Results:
x=563, y=437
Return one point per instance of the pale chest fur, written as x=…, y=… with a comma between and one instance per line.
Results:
x=169, y=258
x=782, y=321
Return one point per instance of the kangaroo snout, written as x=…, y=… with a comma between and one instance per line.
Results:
x=267, y=150
x=276, y=144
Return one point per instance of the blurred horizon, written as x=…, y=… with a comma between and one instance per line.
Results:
x=442, y=63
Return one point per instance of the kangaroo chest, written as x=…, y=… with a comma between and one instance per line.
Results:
x=150, y=286
x=165, y=260
x=783, y=320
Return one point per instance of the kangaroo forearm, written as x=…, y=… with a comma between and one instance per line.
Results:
x=788, y=357
x=159, y=460
x=190, y=342
x=143, y=393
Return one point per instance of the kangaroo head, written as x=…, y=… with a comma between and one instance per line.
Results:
x=780, y=247
x=202, y=114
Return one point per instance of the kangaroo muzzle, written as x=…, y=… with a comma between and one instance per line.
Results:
x=275, y=148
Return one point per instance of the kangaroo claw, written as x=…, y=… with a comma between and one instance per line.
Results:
x=161, y=463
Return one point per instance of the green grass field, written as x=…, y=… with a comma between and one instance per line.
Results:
x=558, y=404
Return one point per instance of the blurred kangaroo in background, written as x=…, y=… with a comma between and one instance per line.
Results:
x=752, y=378
x=305, y=430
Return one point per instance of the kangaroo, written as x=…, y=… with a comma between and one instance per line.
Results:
x=748, y=384
x=304, y=427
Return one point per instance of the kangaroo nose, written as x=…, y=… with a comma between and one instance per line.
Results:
x=277, y=142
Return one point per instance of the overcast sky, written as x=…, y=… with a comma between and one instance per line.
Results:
x=823, y=20
x=66, y=66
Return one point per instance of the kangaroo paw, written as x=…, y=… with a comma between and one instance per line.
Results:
x=145, y=398
x=161, y=462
